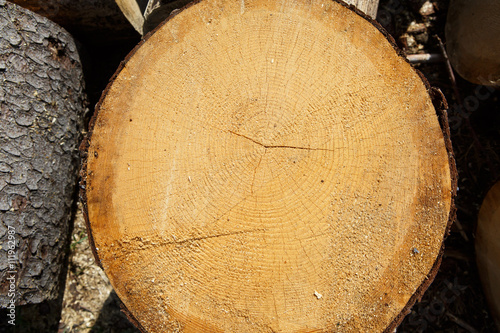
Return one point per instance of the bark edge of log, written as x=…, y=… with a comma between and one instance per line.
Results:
x=42, y=107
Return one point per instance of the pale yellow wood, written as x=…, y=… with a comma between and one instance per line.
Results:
x=267, y=166
x=488, y=249
x=131, y=10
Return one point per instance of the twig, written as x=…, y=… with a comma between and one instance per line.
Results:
x=461, y=323
x=450, y=70
x=422, y=58
x=476, y=141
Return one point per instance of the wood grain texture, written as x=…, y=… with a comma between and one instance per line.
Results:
x=41, y=109
x=488, y=249
x=255, y=166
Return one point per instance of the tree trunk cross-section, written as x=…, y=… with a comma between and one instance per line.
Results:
x=41, y=110
x=268, y=166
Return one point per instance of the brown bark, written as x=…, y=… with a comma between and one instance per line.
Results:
x=41, y=108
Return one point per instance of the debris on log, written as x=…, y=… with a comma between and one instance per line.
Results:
x=158, y=10
x=133, y=12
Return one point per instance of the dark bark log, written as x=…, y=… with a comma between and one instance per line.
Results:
x=487, y=245
x=41, y=110
x=91, y=21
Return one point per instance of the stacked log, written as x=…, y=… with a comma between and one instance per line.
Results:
x=42, y=103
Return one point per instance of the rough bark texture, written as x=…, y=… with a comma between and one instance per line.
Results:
x=88, y=20
x=41, y=109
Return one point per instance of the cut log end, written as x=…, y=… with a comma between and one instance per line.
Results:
x=272, y=167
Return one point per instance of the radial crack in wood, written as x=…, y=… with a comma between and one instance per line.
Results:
x=295, y=119
x=270, y=146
